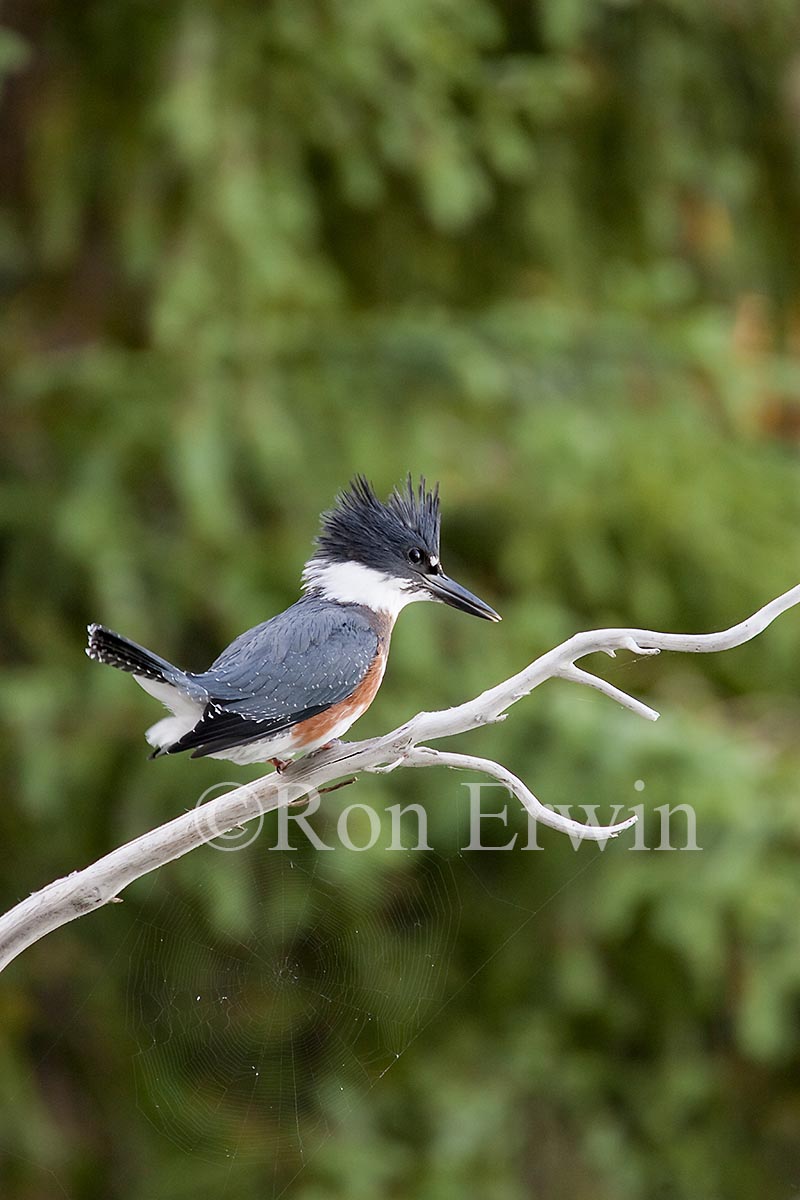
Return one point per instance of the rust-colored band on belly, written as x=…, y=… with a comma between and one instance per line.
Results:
x=316, y=730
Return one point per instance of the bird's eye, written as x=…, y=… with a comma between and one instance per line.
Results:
x=415, y=556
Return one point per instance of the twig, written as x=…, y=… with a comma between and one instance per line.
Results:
x=84, y=891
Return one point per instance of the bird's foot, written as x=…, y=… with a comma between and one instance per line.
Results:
x=280, y=764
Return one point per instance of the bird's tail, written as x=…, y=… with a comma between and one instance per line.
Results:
x=105, y=646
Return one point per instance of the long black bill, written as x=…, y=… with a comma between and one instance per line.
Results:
x=454, y=594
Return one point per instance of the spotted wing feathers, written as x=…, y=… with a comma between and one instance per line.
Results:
x=280, y=673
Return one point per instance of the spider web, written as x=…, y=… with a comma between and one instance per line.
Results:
x=255, y=1043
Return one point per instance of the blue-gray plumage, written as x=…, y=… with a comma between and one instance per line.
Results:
x=301, y=651
x=295, y=682
x=284, y=671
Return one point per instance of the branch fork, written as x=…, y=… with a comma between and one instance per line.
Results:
x=85, y=890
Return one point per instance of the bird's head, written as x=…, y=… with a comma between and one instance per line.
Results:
x=385, y=555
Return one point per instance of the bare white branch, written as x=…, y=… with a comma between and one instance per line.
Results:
x=426, y=756
x=614, y=693
x=84, y=891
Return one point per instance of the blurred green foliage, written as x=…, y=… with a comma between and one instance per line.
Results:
x=546, y=253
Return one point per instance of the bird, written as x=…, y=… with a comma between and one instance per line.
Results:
x=298, y=681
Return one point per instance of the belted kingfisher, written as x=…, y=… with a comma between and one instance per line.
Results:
x=295, y=683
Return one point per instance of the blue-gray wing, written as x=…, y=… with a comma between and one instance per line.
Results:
x=282, y=672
